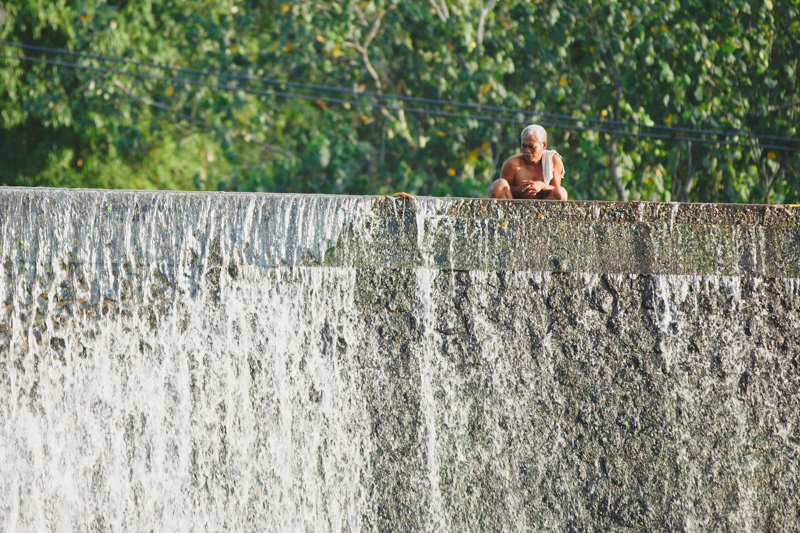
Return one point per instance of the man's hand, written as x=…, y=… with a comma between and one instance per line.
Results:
x=531, y=188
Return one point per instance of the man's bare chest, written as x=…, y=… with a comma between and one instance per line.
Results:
x=525, y=173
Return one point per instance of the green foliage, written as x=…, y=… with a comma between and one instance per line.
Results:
x=690, y=64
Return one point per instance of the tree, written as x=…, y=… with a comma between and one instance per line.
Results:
x=376, y=96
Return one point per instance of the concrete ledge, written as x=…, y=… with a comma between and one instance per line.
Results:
x=451, y=234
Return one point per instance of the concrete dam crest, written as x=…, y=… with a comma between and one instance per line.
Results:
x=257, y=362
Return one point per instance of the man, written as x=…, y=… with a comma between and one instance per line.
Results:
x=534, y=174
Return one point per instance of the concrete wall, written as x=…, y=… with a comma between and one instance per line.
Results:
x=269, y=362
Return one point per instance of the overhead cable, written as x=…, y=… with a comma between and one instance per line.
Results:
x=677, y=131
x=422, y=111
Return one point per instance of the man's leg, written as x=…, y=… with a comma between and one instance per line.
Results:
x=500, y=189
x=559, y=193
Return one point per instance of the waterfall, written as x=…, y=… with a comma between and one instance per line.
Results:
x=192, y=361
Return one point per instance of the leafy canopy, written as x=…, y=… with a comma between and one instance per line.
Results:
x=623, y=87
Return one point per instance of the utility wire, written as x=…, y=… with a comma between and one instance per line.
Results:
x=420, y=111
x=262, y=92
x=676, y=131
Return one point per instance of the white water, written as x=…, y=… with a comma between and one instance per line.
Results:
x=218, y=416
x=218, y=378
x=191, y=409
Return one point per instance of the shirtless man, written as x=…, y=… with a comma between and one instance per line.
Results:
x=523, y=175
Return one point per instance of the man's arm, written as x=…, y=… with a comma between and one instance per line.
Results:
x=558, y=171
x=526, y=189
x=508, y=174
x=536, y=187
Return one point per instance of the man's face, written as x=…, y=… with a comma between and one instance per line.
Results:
x=532, y=149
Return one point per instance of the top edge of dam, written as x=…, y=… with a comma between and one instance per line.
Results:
x=268, y=230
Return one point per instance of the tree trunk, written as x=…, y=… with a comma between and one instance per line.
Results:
x=612, y=168
x=683, y=196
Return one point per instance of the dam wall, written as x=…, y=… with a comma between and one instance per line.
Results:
x=255, y=362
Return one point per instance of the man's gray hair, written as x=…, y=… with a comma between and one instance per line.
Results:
x=534, y=130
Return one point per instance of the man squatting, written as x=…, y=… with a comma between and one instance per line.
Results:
x=534, y=174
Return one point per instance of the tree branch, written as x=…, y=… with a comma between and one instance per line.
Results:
x=363, y=49
x=441, y=9
x=482, y=26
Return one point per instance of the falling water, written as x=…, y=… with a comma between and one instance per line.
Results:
x=175, y=361
x=170, y=379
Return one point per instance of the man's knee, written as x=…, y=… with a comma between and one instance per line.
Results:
x=559, y=193
x=499, y=189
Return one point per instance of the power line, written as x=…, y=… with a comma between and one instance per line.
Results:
x=420, y=111
x=677, y=131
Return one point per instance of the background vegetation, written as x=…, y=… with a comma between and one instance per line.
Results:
x=667, y=100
